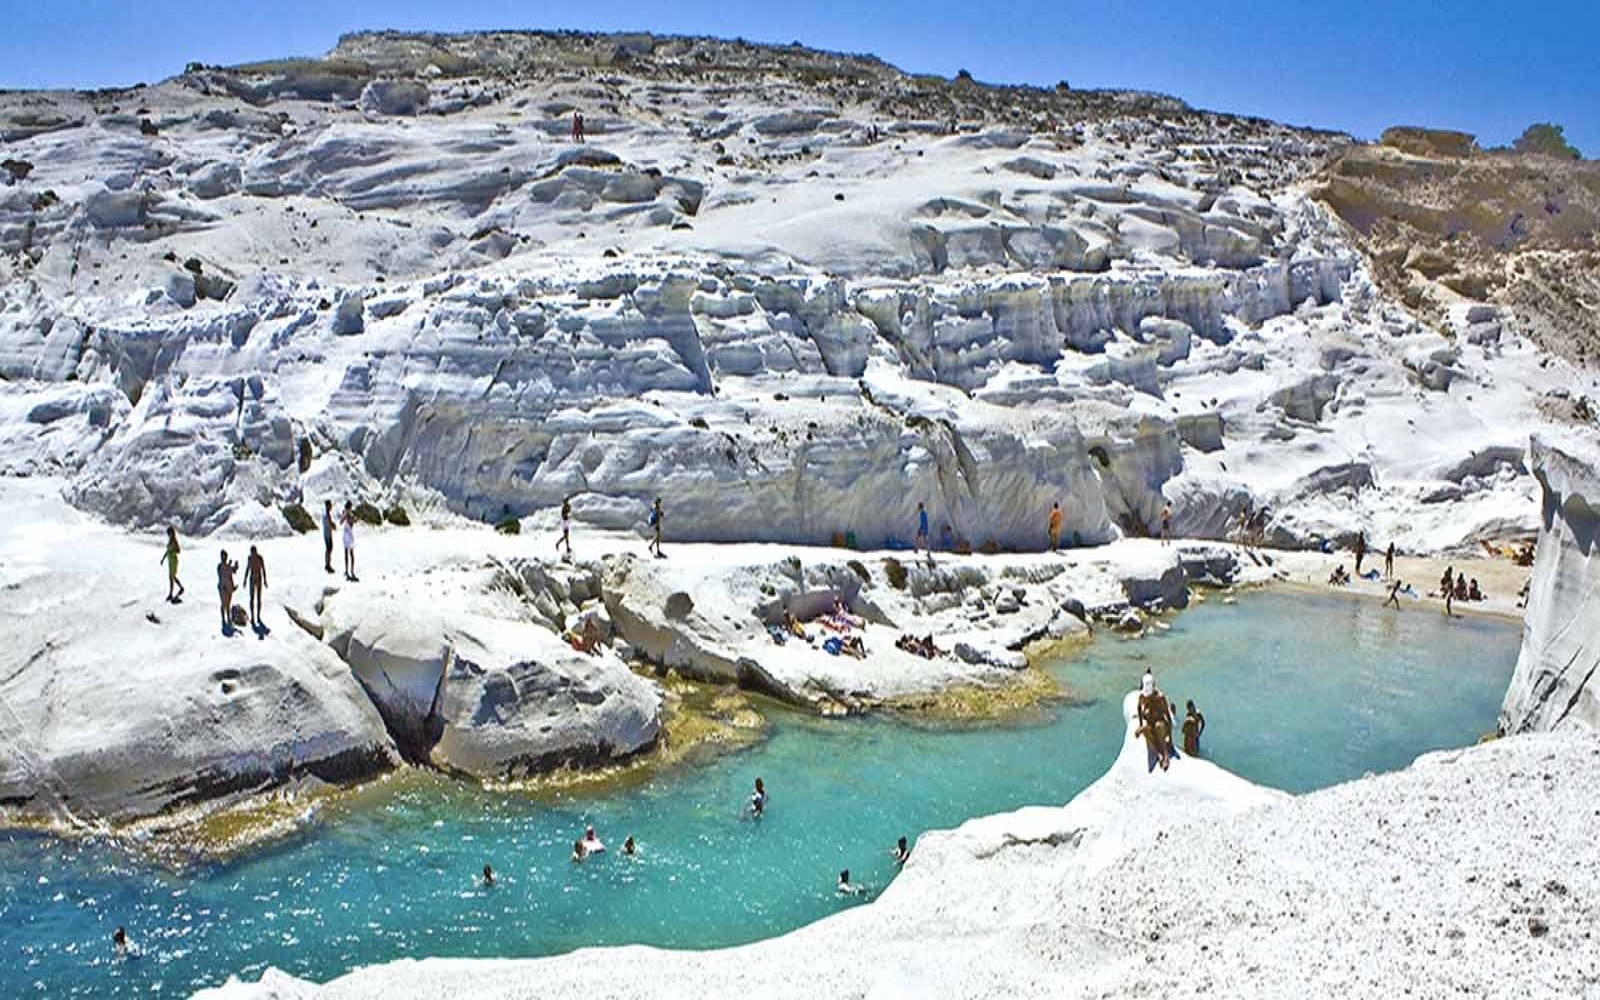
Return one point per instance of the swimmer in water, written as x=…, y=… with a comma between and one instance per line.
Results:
x=628, y=847
x=845, y=887
x=577, y=851
x=488, y=876
x=758, y=800
x=591, y=843
x=902, y=853
x=119, y=941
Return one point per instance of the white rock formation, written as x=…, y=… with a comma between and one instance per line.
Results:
x=793, y=313
x=114, y=707
x=1185, y=882
x=1557, y=680
x=483, y=696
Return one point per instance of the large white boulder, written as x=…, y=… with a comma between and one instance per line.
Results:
x=519, y=701
x=488, y=697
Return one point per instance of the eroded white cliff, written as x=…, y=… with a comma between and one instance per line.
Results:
x=1557, y=680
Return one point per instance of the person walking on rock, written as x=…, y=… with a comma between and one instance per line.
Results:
x=922, y=530
x=348, y=520
x=225, y=589
x=1394, y=594
x=565, y=541
x=327, y=535
x=656, y=516
x=1055, y=527
x=255, y=581
x=170, y=557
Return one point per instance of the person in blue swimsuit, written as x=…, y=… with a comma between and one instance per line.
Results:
x=922, y=528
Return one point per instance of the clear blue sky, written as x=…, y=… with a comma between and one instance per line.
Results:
x=1484, y=66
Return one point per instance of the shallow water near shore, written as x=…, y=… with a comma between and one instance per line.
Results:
x=1300, y=691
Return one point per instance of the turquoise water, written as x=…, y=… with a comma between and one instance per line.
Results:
x=1300, y=692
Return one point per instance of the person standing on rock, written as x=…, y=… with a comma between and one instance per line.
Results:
x=1194, y=723
x=1447, y=583
x=348, y=520
x=327, y=535
x=565, y=541
x=656, y=516
x=225, y=588
x=255, y=581
x=170, y=557
x=1055, y=527
x=1388, y=563
x=1166, y=524
x=1361, y=550
x=922, y=530
x=577, y=126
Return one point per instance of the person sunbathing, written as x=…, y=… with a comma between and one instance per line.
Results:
x=792, y=623
x=853, y=646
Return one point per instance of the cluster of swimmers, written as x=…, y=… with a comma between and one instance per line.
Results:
x=590, y=845
x=1156, y=716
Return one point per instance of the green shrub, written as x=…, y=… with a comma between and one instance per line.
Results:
x=397, y=516
x=896, y=573
x=508, y=526
x=367, y=513
x=298, y=519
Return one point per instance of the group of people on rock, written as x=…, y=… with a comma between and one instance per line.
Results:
x=843, y=640
x=255, y=571
x=1156, y=715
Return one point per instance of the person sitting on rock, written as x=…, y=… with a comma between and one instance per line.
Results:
x=853, y=646
x=842, y=616
x=1461, y=587
x=1473, y=593
x=1155, y=723
x=591, y=636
